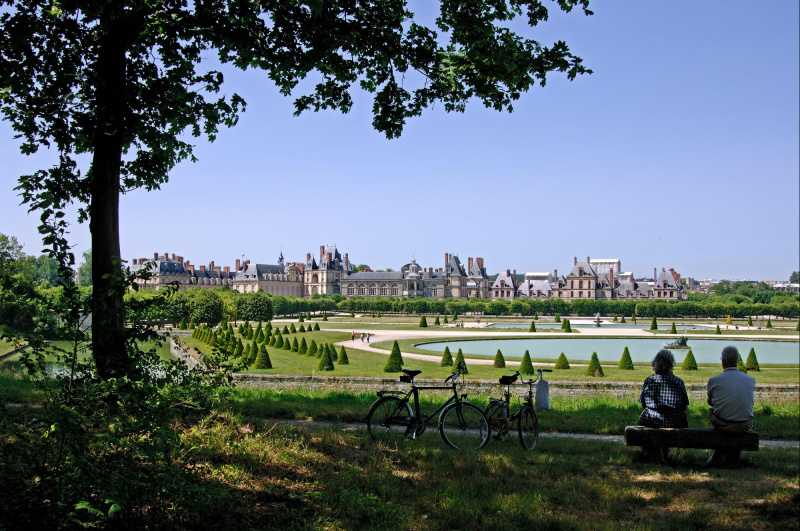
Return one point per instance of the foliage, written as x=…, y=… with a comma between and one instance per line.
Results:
x=562, y=362
x=460, y=363
x=423, y=323
x=395, y=361
x=740, y=364
x=673, y=330
x=312, y=348
x=717, y=331
x=769, y=322
x=343, y=359
x=526, y=366
x=594, y=368
x=499, y=360
x=728, y=320
x=625, y=362
x=445, y=320
x=303, y=346
x=316, y=327
x=689, y=364
x=794, y=278
x=85, y=269
x=622, y=319
x=447, y=358
x=749, y=320
x=558, y=318
x=295, y=345
x=567, y=326
x=262, y=360
x=325, y=360
x=653, y=324
x=436, y=321
x=533, y=327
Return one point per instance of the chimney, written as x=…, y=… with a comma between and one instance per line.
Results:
x=155, y=256
x=321, y=252
x=134, y=261
x=166, y=256
x=238, y=264
x=655, y=275
x=346, y=261
x=576, y=261
x=180, y=259
x=611, y=277
x=202, y=268
x=173, y=256
x=308, y=258
x=329, y=256
x=218, y=269
x=211, y=265
x=246, y=262
x=227, y=270
x=514, y=278
x=480, y=262
x=191, y=269
x=469, y=263
x=555, y=274
x=588, y=259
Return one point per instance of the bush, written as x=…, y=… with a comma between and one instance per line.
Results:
x=395, y=361
x=673, y=330
x=533, y=327
x=324, y=316
x=325, y=360
x=567, y=326
x=447, y=358
x=562, y=362
x=352, y=313
x=436, y=322
x=499, y=360
x=718, y=331
x=460, y=364
x=192, y=326
x=246, y=355
x=285, y=329
x=316, y=327
x=321, y=350
x=445, y=319
x=303, y=347
x=253, y=353
x=262, y=360
x=302, y=329
x=455, y=316
x=292, y=329
x=535, y=316
x=300, y=319
x=423, y=323
x=183, y=324
x=728, y=320
x=740, y=364
x=689, y=364
x=594, y=368
x=295, y=345
x=749, y=321
x=769, y=322
x=625, y=362
x=653, y=324
x=312, y=349
x=343, y=359
x=526, y=367
x=622, y=320
x=558, y=318
x=279, y=341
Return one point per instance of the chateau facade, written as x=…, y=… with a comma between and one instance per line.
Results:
x=333, y=274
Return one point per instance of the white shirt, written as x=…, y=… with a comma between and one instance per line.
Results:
x=731, y=393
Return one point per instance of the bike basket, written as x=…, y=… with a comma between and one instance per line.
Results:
x=405, y=378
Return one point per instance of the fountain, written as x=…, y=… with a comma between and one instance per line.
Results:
x=597, y=320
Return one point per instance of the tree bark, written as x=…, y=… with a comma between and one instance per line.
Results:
x=108, y=338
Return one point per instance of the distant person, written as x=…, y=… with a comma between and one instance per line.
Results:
x=353, y=336
x=731, y=397
x=664, y=400
x=362, y=337
x=367, y=337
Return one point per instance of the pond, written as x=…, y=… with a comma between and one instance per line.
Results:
x=610, y=327
x=610, y=350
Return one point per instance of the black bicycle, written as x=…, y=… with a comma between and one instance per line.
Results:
x=497, y=412
x=461, y=424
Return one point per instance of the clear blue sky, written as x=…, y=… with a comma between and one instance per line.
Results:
x=681, y=150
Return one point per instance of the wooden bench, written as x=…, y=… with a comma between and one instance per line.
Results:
x=704, y=438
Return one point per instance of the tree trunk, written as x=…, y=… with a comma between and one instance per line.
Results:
x=108, y=339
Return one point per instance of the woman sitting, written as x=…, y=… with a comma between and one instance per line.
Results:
x=664, y=398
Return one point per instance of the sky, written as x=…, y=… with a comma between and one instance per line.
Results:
x=681, y=150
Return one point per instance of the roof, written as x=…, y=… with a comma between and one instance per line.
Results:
x=510, y=281
x=455, y=267
x=374, y=276
x=258, y=271
x=587, y=268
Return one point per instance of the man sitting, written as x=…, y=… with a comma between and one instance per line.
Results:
x=730, y=395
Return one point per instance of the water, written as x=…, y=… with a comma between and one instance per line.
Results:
x=610, y=327
x=610, y=350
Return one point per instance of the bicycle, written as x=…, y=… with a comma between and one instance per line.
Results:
x=497, y=411
x=461, y=424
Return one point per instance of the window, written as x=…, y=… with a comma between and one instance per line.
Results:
x=580, y=283
x=361, y=290
x=572, y=294
x=395, y=291
x=580, y=294
x=372, y=291
x=384, y=291
x=434, y=292
x=351, y=290
x=571, y=283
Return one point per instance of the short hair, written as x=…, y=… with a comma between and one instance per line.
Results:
x=730, y=355
x=663, y=362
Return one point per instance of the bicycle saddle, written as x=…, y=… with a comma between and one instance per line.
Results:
x=411, y=373
x=508, y=379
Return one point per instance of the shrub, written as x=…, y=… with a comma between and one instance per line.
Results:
x=300, y=319
x=316, y=327
x=312, y=349
x=436, y=322
x=447, y=358
x=321, y=350
x=292, y=329
x=287, y=345
x=533, y=327
x=558, y=318
x=352, y=313
x=499, y=360
x=308, y=315
x=455, y=316
x=324, y=316
x=749, y=320
x=445, y=319
x=192, y=326
x=562, y=362
x=625, y=362
x=325, y=360
x=183, y=324
x=253, y=353
x=633, y=318
x=673, y=330
x=423, y=323
x=769, y=322
x=246, y=355
x=594, y=368
x=615, y=318
x=295, y=345
x=395, y=361
x=460, y=364
x=285, y=329
x=740, y=364
x=654, y=324
x=262, y=360
x=536, y=316
x=689, y=364
x=302, y=329
x=279, y=341
x=567, y=326
x=752, y=361
x=728, y=320
x=303, y=346
x=622, y=320
x=526, y=367
x=717, y=331
x=379, y=315
x=343, y=359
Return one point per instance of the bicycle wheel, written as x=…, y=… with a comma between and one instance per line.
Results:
x=496, y=414
x=528, y=426
x=389, y=418
x=463, y=426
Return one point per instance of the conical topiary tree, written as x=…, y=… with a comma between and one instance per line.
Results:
x=183, y=324
x=752, y=361
x=436, y=322
x=460, y=363
x=633, y=318
x=728, y=320
x=558, y=317
x=312, y=349
x=567, y=326
x=325, y=361
x=287, y=345
x=253, y=352
x=343, y=359
x=292, y=329
x=594, y=368
x=622, y=319
x=300, y=319
x=749, y=320
x=673, y=330
x=562, y=362
x=615, y=318
x=302, y=329
x=192, y=326
x=308, y=315
x=625, y=362
x=295, y=345
x=303, y=347
x=262, y=360
x=352, y=313
x=654, y=324
x=535, y=316
x=445, y=320
x=321, y=350
x=316, y=327
x=526, y=367
x=286, y=330
x=769, y=322
x=447, y=358
x=718, y=331
x=689, y=364
x=395, y=361
x=279, y=341
x=533, y=327
x=324, y=316
x=423, y=323
x=246, y=354
x=499, y=360
x=740, y=364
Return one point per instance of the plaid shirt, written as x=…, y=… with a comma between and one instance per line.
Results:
x=664, y=399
